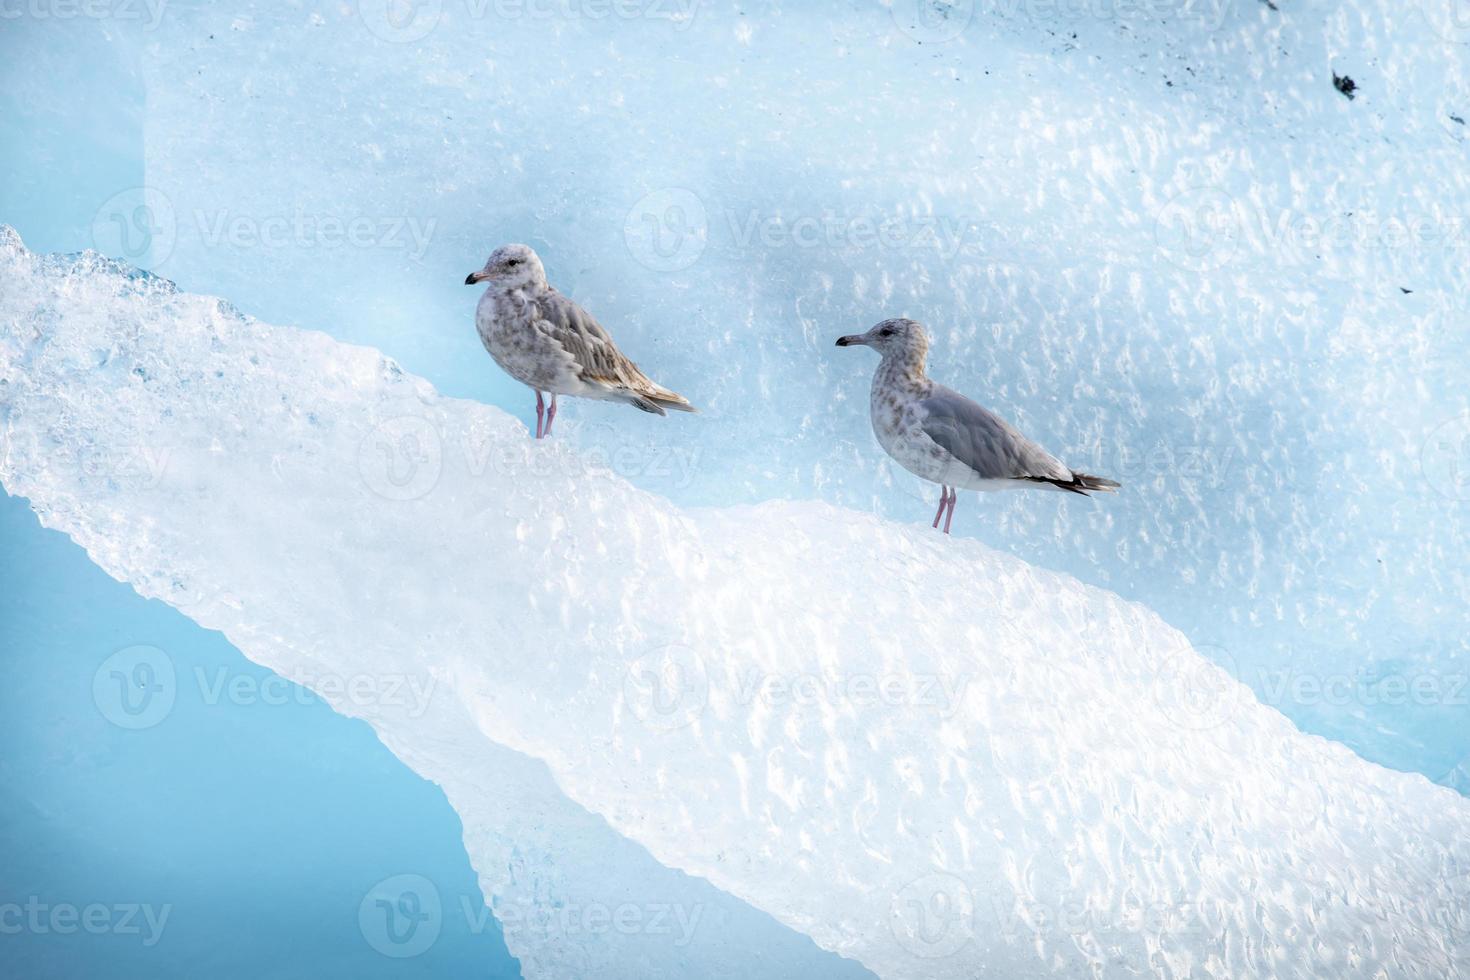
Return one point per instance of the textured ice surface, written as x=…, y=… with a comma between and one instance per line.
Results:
x=574, y=898
x=1154, y=235
x=927, y=755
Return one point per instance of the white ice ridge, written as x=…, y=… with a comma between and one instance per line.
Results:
x=928, y=756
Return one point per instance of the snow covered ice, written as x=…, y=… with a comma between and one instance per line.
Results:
x=929, y=756
x=1154, y=237
x=1169, y=242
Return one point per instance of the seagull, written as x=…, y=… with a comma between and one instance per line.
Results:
x=941, y=436
x=546, y=341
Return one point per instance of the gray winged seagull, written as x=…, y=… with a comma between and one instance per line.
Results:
x=941, y=436
x=546, y=341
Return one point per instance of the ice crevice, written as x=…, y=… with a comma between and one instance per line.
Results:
x=926, y=755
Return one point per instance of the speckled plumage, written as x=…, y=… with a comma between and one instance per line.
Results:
x=546, y=341
x=940, y=435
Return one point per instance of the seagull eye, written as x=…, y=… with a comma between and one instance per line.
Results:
x=514, y=262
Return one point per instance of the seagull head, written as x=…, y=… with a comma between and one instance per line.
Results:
x=510, y=267
x=899, y=337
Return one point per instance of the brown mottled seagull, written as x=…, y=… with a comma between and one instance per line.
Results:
x=942, y=436
x=546, y=341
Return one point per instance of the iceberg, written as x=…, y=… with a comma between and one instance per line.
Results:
x=1156, y=236
x=930, y=757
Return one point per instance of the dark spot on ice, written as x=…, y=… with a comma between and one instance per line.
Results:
x=1455, y=118
x=1405, y=291
x=1345, y=85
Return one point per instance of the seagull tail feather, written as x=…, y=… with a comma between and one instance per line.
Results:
x=1080, y=483
x=664, y=398
x=647, y=405
x=1083, y=482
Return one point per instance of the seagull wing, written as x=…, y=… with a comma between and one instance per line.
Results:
x=985, y=442
x=597, y=358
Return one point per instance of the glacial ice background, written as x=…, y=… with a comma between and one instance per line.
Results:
x=1063, y=806
x=1286, y=417
x=1135, y=281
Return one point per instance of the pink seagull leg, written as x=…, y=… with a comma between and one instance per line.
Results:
x=954, y=495
x=540, y=409
x=551, y=415
x=943, y=499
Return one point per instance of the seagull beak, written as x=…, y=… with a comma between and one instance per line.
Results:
x=849, y=341
x=474, y=277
